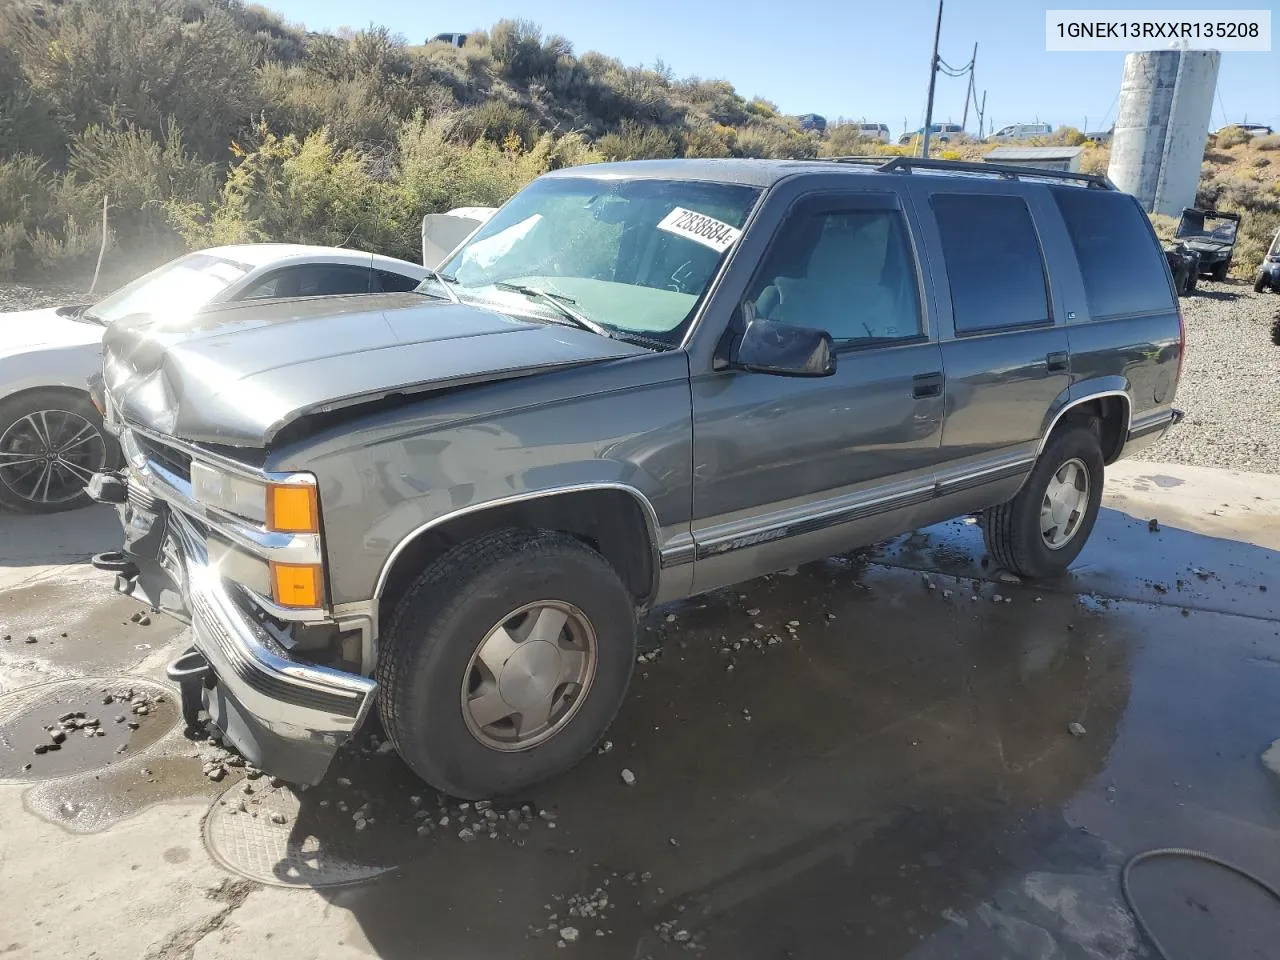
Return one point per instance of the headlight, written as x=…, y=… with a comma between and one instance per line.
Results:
x=290, y=507
x=279, y=507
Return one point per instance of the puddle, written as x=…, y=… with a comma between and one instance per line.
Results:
x=368, y=816
x=75, y=726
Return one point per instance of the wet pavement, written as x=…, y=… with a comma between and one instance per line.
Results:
x=894, y=753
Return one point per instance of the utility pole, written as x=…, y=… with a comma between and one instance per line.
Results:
x=973, y=64
x=933, y=79
x=982, y=110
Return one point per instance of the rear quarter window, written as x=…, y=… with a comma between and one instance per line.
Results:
x=1122, y=266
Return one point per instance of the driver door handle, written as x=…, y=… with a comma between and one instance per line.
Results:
x=926, y=385
x=1057, y=361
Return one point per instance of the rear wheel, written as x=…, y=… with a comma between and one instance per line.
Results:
x=51, y=443
x=506, y=661
x=1043, y=529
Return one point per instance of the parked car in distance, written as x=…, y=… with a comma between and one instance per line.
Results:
x=874, y=131
x=51, y=437
x=1253, y=129
x=636, y=382
x=1021, y=131
x=811, y=121
x=1268, y=275
x=1212, y=235
x=453, y=39
x=942, y=132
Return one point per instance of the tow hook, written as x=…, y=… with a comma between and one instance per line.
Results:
x=191, y=673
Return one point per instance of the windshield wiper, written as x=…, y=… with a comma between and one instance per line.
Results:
x=557, y=301
x=444, y=280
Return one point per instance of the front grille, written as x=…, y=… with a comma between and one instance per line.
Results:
x=140, y=497
x=171, y=458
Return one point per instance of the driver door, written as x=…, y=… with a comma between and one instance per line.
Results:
x=791, y=469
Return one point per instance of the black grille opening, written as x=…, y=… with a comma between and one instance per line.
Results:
x=171, y=458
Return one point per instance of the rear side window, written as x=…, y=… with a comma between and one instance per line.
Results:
x=994, y=265
x=1123, y=268
x=395, y=282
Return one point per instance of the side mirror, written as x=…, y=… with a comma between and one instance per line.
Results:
x=784, y=350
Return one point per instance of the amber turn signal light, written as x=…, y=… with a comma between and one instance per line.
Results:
x=292, y=509
x=297, y=585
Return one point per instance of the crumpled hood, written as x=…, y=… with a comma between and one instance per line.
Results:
x=237, y=374
x=24, y=330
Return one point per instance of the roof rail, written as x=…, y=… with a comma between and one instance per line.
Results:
x=1004, y=171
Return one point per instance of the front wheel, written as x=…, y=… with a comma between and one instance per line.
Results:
x=505, y=662
x=51, y=443
x=1045, y=526
x=1220, y=271
x=1260, y=282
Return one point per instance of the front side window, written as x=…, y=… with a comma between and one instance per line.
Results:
x=994, y=265
x=850, y=273
x=633, y=255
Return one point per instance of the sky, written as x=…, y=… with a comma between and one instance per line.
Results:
x=853, y=59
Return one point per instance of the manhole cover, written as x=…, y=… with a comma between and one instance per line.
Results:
x=74, y=726
x=313, y=847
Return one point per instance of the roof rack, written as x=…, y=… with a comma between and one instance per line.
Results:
x=1004, y=171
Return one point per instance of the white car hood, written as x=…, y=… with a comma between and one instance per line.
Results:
x=27, y=330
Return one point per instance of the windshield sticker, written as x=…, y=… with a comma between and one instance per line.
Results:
x=700, y=228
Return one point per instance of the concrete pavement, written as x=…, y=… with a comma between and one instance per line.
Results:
x=891, y=776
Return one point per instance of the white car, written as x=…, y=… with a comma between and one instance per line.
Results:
x=1021, y=131
x=51, y=437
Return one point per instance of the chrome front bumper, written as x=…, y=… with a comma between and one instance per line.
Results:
x=286, y=716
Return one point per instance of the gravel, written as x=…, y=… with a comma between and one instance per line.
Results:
x=1230, y=387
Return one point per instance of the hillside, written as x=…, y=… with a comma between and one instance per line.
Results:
x=213, y=121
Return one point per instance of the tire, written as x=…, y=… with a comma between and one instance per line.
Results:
x=1219, y=274
x=1260, y=282
x=1192, y=279
x=30, y=482
x=1012, y=531
x=430, y=657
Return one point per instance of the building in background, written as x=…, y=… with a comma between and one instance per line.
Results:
x=1162, y=126
x=1066, y=159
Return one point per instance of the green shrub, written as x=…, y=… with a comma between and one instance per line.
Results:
x=635, y=142
x=1232, y=136
x=518, y=49
x=140, y=60
x=351, y=108
x=846, y=140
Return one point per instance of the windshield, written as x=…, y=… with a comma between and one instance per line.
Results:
x=633, y=255
x=178, y=287
x=1197, y=227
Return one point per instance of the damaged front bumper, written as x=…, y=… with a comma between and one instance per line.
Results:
x=286, y=716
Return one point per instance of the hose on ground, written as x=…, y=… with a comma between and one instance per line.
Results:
x=1188, y=854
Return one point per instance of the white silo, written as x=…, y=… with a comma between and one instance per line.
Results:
x=1165, y=100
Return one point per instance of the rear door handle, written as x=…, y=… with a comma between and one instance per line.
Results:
x=1058, y=361
x=926, y=385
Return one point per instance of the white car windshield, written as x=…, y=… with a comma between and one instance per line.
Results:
x=178, y=287
x=633, y=256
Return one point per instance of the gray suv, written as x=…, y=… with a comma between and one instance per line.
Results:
x=636, y=382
